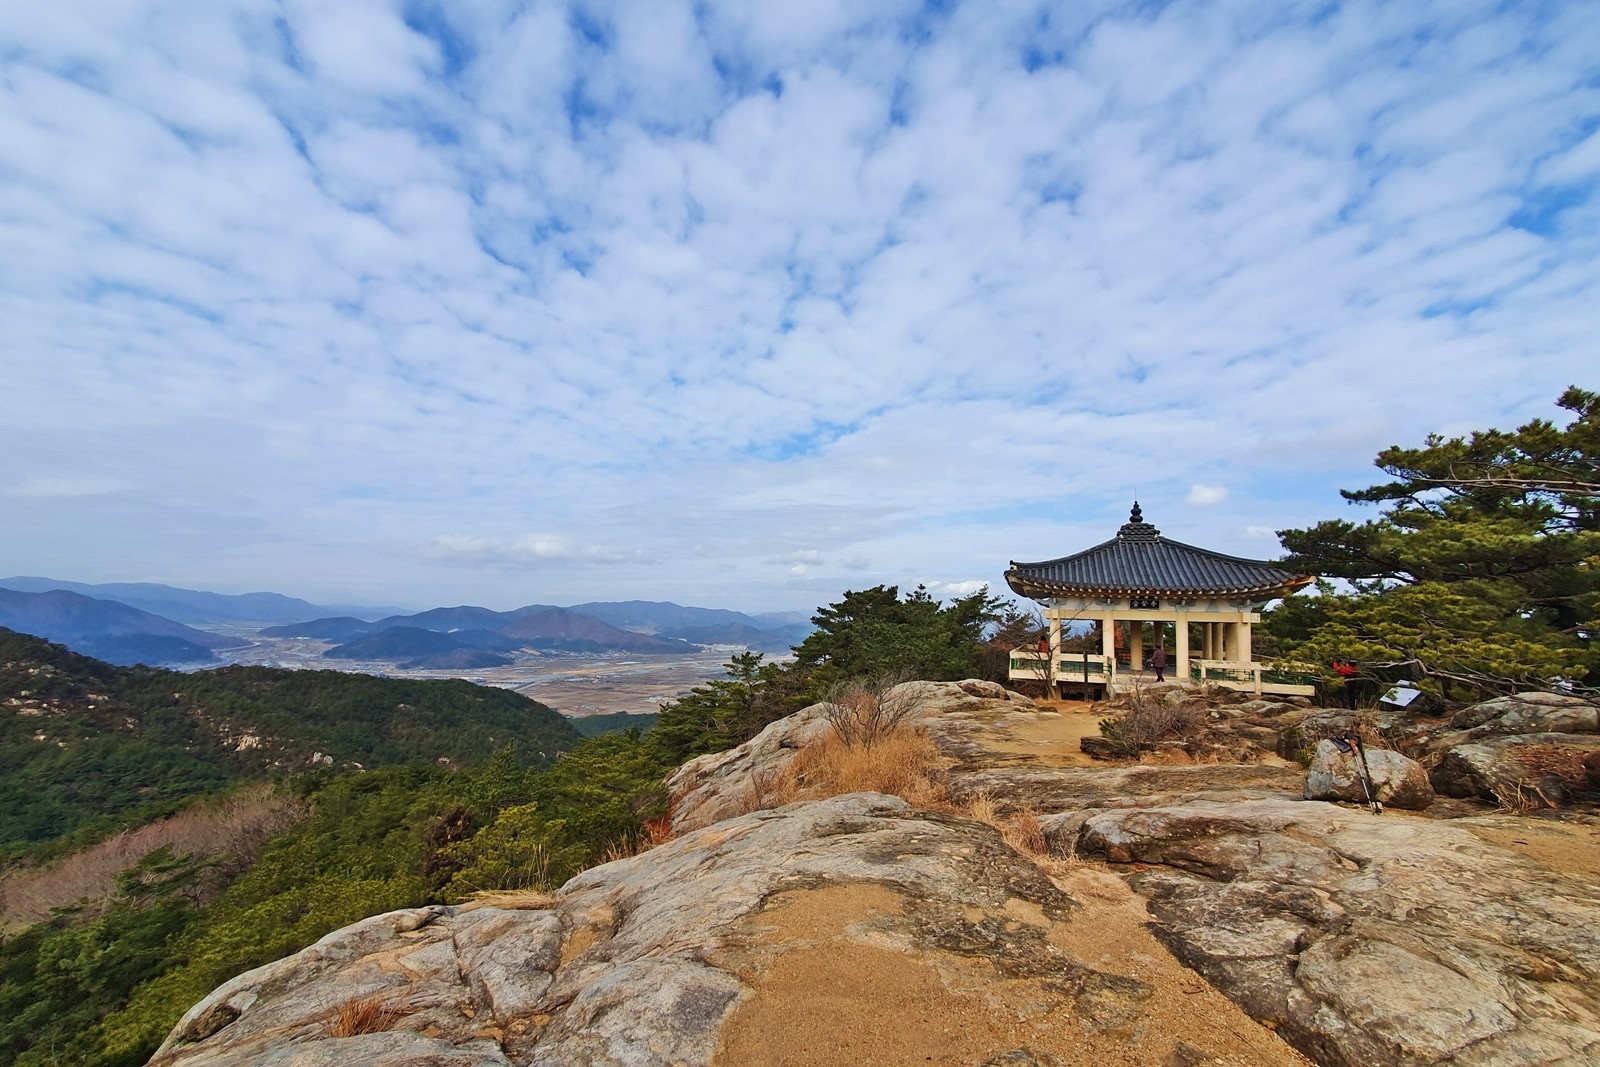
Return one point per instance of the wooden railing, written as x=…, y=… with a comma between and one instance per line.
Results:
x=1068, y=666
x=1250, y=675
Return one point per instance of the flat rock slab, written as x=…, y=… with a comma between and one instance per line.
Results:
x=1369, y=939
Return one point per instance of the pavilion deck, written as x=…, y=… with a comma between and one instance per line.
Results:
x=1074, y=672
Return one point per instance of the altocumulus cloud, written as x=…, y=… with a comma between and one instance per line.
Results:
x=430, y=302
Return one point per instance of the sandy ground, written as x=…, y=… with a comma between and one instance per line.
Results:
x=1052, y=739
x=1562, y=841
x=836, y=993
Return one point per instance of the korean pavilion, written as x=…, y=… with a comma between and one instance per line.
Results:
x=1140, y=586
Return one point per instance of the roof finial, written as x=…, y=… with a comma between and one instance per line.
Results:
x=1136, y=529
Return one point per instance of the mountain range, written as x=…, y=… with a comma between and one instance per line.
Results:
x=193, y=606
x=115, y=622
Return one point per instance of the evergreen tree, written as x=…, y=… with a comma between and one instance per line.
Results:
x=1482, y=571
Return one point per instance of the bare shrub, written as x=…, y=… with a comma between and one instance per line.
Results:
x=227, y=835
x=863, y=711
x=365, y=1015
x=1150, y=722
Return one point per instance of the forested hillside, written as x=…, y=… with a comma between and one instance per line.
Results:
x=369, y=794
x=85, y=742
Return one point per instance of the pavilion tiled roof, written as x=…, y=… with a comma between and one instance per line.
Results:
x=1140, y=562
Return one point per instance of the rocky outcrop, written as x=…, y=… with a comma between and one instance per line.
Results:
x=1362, y=939
x=1368, y=940
x=958, y=715
x=644, y=960
x=1397, y=781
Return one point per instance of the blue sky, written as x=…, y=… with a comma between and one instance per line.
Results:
x=748, y=304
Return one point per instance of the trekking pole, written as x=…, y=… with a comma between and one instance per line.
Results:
x=1366, y=773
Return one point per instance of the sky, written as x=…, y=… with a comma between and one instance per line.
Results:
x=745, y=305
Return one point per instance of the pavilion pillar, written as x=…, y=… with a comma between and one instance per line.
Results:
x=1244, y=643
x=1135, y=645
x=1181, y=635
x=1108, y=639
x=1055, y=637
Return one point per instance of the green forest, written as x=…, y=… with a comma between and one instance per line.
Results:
x=1475, y=570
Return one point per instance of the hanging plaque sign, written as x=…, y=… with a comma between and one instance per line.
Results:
x=1144, y=603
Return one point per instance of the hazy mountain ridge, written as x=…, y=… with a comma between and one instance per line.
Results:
x=108, y=621
x=192, y=606
x=107, y=629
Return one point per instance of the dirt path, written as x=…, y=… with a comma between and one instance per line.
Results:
x=828, y=990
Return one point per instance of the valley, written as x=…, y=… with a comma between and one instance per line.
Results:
x=574, y=683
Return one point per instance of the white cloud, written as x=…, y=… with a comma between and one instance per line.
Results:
x=914, y=290
x=524, y=552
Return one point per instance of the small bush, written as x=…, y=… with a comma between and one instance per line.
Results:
x=1149, y=722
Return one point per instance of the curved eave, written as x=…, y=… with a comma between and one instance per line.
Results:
x=1037, y=589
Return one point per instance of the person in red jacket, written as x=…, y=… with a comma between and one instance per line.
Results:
x=1347, y=674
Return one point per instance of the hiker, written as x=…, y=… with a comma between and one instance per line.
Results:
x=1158, y=660
x=1347, y=674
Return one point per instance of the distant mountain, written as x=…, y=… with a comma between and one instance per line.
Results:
x=785, y=618
x=459, y=659
x=181, y=605
x=778, y=641
x=107, y=629
x=339, y=628
x=465, y=617
x=397, y=642
x=656, y=616
x=770, y=632
x=570, y=631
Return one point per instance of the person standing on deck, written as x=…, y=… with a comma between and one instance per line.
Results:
x=1158, y=660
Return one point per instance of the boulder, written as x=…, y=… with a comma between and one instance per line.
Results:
x=1529, y=713
x=1398, y=782
x=721, y=785
x=1496, y=768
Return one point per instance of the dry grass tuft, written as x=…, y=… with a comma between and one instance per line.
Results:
x=511, y=900
x=901, y=762
x=365, y=1015
x=1020, y=829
